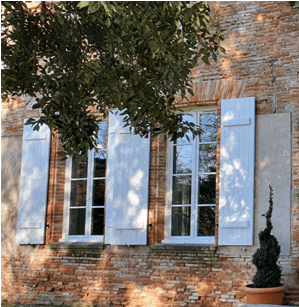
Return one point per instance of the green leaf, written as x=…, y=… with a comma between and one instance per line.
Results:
x=92, y=7
x=62, y=153
x=222, y=31
x=205, y=59
x=108, y=22
x=60, y=19
x=190, y=91
x=194, y=61
x=171, y=75
x=222, y=50
x=82, y=4
x=36, y=127
x=51, y=125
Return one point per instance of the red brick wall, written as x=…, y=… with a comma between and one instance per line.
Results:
x=156, y=215
x=262, y=60
x=127, y=277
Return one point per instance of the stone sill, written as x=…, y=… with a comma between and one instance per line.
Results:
x=183, y=247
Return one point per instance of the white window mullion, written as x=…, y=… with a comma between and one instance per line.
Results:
x=194, y=183
x=89, y=193
x=169, y=172
x=182, y=174
x=171, y=187
x=67, y=198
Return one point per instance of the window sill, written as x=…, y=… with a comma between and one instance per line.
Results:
x=82, y=239
x=183, y=247
x=185, y=241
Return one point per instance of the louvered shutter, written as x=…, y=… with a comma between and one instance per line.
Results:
x=236, y=211
x=33, y=185
x=127, y=185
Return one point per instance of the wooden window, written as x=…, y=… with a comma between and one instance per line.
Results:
x=84, y=215
x=190, y=216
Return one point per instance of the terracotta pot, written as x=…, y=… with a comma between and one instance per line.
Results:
x=265, y=295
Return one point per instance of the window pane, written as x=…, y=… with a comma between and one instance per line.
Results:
x=180, y=224
x=207, y=158
x=206, y=221
x=77, y=222
x=79, y=169
x=206, y=189
x=99, y=163
x=190, y=119
x=208, y=123
x=98, y=193
x=97, y=227
x=181, y=190
x=102, y=135
x=182, y=159
x=78, y=193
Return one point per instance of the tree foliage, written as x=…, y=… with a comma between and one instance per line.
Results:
x=79, y=57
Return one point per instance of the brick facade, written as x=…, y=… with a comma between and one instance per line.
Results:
x=262, y=61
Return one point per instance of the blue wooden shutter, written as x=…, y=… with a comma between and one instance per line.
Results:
x=127, y=185
x=236, y=206
x=33, y=185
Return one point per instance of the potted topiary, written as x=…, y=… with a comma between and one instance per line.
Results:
x=266, y=287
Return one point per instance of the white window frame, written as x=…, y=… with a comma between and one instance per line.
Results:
x=89, y=190
x=193, y=238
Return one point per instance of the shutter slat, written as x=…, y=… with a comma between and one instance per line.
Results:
x=33, y=185
x=237, y=122
x=237, y=171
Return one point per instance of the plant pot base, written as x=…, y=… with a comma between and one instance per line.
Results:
x=265, y=295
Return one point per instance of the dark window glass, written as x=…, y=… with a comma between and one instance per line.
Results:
x=182, y=159
x=206, y=189
x=97, y=227
x=102, y=135
x=77, y=222
x=99, y=163
x=207, y=158
x=79, y=169
x=78, y=193
x=206, y=221
x=180, y=221
x=181, y=190
x=98, y=192
x=208, y=124
x=189, y=118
